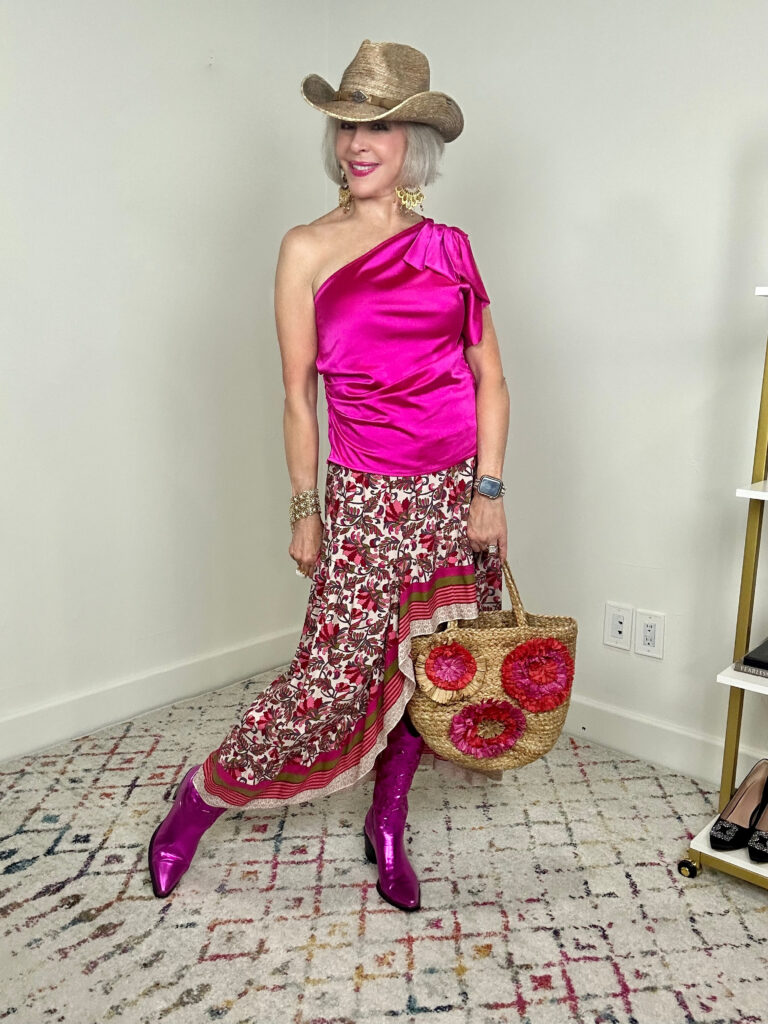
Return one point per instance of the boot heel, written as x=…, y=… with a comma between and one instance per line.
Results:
x=370, y=853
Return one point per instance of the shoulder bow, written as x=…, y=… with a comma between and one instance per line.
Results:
x=446, y=250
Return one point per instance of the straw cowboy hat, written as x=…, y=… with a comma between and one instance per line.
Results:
x=386, y=81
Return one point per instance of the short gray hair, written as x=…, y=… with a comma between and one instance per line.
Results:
x=424, y=147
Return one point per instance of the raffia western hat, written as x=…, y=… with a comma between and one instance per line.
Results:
x=386, y=81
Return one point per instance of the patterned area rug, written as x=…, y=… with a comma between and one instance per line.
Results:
x=550, y=897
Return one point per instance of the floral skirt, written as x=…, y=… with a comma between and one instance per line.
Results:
x=395, y=562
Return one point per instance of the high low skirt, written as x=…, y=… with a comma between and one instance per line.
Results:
x=394, y=563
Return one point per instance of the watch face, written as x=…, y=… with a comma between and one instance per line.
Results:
x=489, y=486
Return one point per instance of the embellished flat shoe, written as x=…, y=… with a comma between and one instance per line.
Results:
x=736, y=824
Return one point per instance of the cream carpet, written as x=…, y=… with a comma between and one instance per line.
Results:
x=551, y=897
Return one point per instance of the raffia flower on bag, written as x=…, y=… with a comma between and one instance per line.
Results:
x=487, y=729
x=538, y=674
x=449, y=672
x=450, y=666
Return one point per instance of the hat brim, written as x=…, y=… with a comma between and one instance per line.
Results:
x=432, y=108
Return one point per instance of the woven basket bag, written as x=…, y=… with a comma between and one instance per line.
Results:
x=493, y=692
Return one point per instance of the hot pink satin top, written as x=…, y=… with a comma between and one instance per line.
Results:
x=391, y=331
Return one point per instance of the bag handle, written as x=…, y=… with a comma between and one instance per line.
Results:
x=514, y=596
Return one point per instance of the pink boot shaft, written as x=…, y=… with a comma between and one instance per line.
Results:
x=175, y=839
x=385, y=822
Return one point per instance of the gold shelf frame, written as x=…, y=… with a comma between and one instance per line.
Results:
x=742, y=641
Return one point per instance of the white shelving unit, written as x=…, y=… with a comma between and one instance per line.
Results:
x=759, y=491
x=732, y=677
x=736, y=862
x=700, y=853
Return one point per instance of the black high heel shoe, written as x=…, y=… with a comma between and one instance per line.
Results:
x=757, y=847
x=736, y=824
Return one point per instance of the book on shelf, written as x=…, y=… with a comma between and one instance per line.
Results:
x=751, y=670
x=756, y=659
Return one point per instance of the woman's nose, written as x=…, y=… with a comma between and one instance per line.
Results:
x=358, y=139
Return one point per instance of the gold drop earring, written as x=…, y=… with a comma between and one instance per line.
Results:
x=345, y=194
x=410, y=198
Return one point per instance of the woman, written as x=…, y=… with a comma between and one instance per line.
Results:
x=389, y=307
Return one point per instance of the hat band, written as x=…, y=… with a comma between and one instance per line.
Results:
x=358, y=96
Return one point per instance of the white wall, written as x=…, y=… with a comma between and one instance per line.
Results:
x=613, y=177
x=154, y=159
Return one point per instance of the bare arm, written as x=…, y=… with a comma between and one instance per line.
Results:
x=487, y=523
x=297, y=335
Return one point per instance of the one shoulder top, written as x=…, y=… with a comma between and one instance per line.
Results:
x=391, y=330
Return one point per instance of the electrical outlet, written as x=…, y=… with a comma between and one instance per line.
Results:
x=617, y=625
x=649, y=633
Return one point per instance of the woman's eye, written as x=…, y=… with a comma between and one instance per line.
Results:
x=375, y=126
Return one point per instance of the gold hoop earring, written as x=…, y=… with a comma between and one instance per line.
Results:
x=345, y=194
x=410, y=198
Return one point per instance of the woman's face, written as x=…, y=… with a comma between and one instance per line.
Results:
x=371, y=153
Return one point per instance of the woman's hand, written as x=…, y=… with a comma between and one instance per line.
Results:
x=487, y=524
x=305, y=543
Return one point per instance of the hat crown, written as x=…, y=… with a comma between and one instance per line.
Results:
x=392, y=71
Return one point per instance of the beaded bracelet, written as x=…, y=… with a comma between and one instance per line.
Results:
x=304, y=504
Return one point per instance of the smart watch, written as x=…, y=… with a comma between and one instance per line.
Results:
x=489, y=486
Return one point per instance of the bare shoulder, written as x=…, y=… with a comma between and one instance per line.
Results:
x=305, y=241
x=306, y=249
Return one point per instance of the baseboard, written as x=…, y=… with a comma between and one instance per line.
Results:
x=36, y=728
x=691, y=753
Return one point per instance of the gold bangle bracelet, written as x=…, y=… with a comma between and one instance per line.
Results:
x=307, y=503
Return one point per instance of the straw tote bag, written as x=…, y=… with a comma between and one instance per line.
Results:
x=493, y=692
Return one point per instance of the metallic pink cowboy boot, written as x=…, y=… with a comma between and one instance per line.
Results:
x=175, y=839
x=385, y=821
